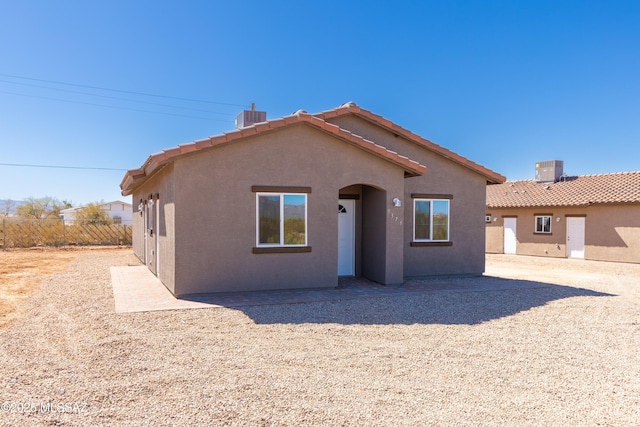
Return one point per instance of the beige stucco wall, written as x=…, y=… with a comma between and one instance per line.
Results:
x=207, y=230
x=215, y=222
x=466, y=255
x=161, y=263
x=612, y=233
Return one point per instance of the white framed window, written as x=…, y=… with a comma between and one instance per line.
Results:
x=430, y=220
x=543, y=224
x=281, y=219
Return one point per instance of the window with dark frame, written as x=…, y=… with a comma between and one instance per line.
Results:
x=543, y=224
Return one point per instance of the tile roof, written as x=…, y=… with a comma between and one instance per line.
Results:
x=585, y=190
x=136, y=177
x=351, y=108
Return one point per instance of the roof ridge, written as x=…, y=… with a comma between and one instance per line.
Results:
x=574, y=176
x=581, y=190
x=157, y=160
x=609, y=173
x=351, y=107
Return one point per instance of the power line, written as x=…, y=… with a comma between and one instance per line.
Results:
x=113, y=106
x=61, y=167
x=124, y=91
x=111, y=97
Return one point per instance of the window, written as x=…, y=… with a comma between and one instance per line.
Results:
x=281, y=219
x=430, y=220
x=543, y=224
x=117, y=220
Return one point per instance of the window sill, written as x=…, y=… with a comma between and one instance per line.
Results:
x=537, y=233
x=282, y=250
x=419, y=244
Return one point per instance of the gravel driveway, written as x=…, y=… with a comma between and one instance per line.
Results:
x=567, y=353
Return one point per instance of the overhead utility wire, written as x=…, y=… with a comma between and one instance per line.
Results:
x=115, y=97
x=123, y=91
x=112, y=106
x=61, y=167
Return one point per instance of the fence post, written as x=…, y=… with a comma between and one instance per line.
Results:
x=4, y=239
x=64, y=233
x=117, y=235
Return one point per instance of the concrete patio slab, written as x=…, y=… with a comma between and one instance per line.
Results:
x=136, y=289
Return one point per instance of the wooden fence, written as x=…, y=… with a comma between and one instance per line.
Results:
x=25, y=233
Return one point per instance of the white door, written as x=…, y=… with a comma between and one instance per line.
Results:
x=346, y=237
x=575, y=237
x=510, y=235
x=144, y=226
x=156, y=240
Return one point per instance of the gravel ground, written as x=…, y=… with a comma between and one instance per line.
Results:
x=562, y=354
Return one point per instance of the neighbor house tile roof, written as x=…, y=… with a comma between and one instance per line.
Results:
x=134, y=178
x=585, y=190
x=351, y=108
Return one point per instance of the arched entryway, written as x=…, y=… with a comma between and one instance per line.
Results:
x=362, y=232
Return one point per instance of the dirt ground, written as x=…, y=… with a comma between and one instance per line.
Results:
x=560, y=352
x=22, y=270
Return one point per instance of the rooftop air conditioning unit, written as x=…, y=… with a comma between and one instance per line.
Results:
x=249, y=117
x=549, y=171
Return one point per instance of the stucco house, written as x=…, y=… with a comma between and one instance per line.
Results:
x=593, y=217
x=119, y=211
x=297, y=201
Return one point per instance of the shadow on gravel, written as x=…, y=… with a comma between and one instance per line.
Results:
x=467, y=301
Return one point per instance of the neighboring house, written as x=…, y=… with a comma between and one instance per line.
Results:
x=594, y=217
x=297, y=201
x=120, y=212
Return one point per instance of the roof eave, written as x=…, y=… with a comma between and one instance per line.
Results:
x=134, y=178
x=351, y=108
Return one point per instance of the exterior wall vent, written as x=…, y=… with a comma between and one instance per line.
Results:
x=249, y=117
x=549, y=171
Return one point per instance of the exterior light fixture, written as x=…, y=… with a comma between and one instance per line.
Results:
x=397, y=203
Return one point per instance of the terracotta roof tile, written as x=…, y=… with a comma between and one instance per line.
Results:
x=136, y=177
x=584, y=190
x=171, y=152
x=188, y=147
x=351, y=108
x=203, y=143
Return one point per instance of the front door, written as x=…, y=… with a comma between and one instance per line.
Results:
x=575, y=237
x=510, y=235
x=346, y=237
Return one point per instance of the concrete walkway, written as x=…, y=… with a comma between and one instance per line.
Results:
x=136, y=289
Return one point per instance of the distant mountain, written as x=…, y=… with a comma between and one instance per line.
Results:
x=294, y=211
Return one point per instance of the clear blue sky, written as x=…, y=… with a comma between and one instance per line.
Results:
x=503, y=83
